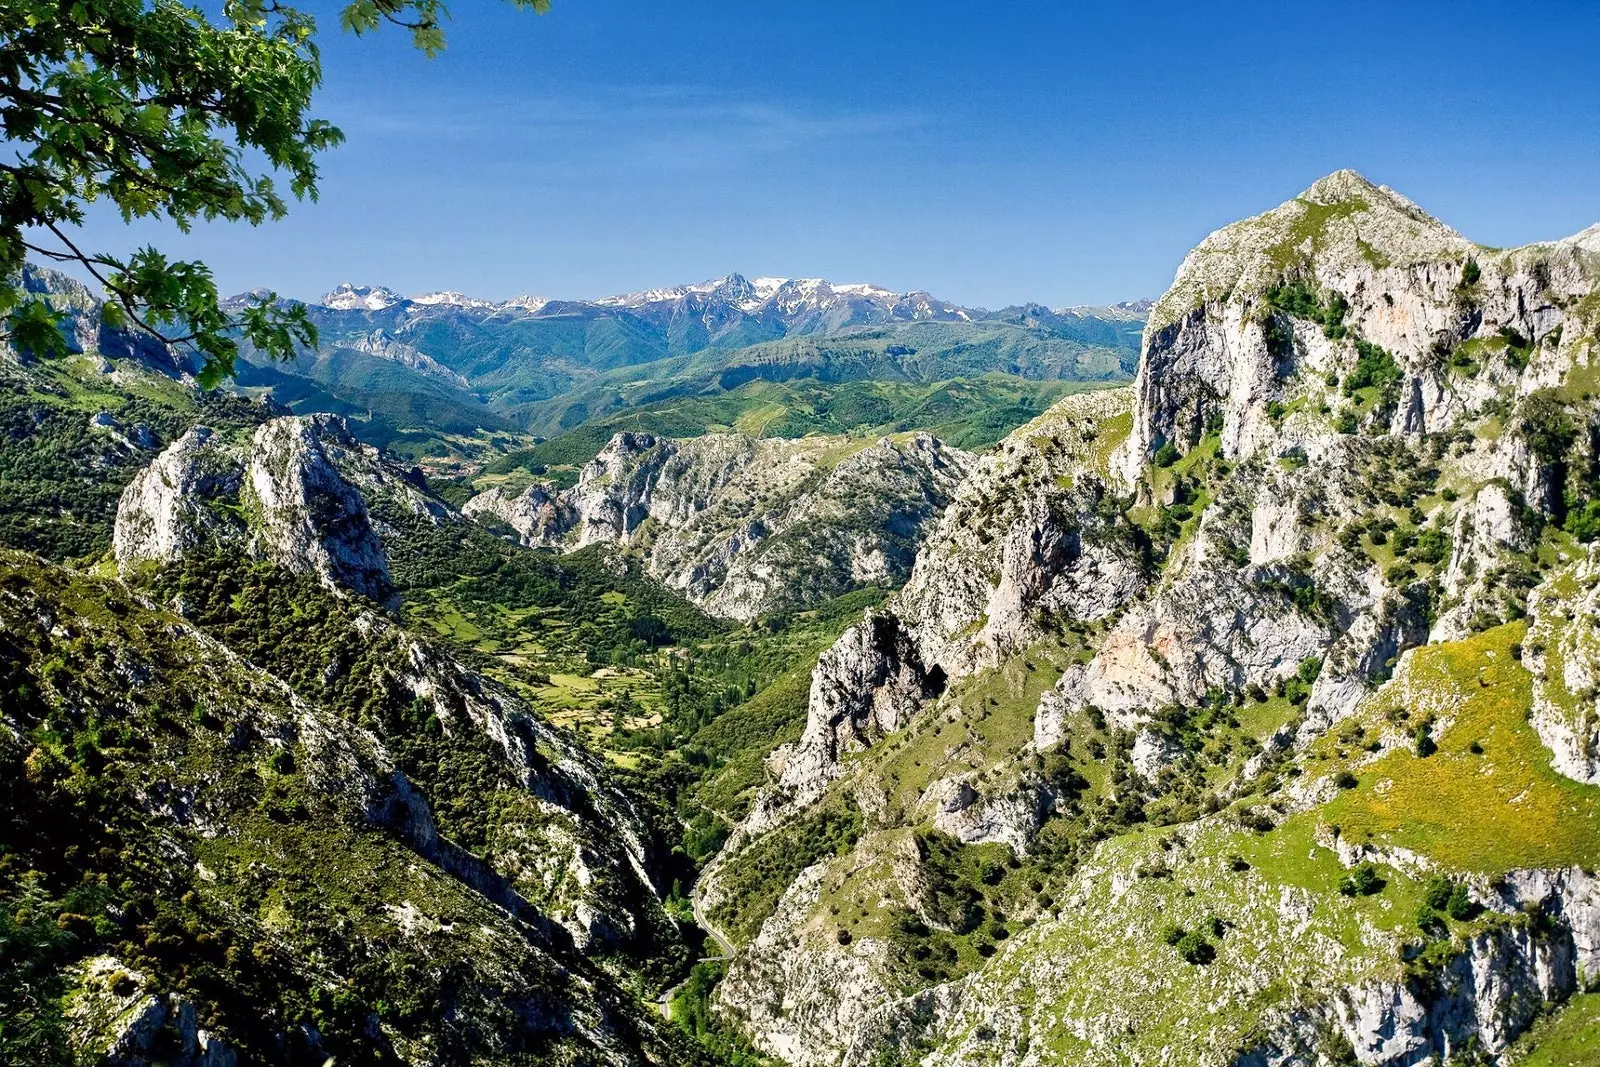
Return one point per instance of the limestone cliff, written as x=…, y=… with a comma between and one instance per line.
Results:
x=1353, y=432
x=745, y=526
x=295, y=493
x=292, y=493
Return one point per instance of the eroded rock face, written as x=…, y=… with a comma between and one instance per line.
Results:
x=290, y=494
x=171, y=508
x=744, y=527
x=311, y=518
x=1563, y=652
x=1348, y=371
x=867, y=685
x=1026, y=532
x=1482, y=533
x=84, y=328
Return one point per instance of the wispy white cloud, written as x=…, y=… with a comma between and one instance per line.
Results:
x=681, y=129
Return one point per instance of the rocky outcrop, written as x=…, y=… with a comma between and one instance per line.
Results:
x=1563, y=652
x=310, y=518
x=1349, y=425
x=175, y=505
x=384, y=346
x=867, y=685
x=1026, y=533
x=745, y=526
x=294, y=493
x=539, y=515
x=1483, y=533
x=1478, y=1001
x=84, y=328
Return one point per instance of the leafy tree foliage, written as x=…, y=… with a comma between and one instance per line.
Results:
x=162, y=110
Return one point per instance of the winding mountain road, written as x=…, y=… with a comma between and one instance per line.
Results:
x=725, y=946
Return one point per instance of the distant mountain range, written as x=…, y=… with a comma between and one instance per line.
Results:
x=448, y=363
x=799, y=304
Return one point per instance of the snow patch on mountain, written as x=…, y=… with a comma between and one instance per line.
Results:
x=451, y=298
x=348, y=297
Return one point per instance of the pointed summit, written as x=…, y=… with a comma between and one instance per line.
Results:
x=348, y=297
x=1344, y=184
x=1342, y=225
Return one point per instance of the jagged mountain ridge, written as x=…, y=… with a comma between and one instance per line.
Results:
x=305, y=811
x=794, y=299
x=461, y=364
x=1181, y=606
x=746, y=527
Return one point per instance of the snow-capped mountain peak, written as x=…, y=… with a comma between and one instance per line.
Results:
x=349, y=297
x=451, y=298
x=526, y=303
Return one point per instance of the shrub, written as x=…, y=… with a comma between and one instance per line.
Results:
x=1460, y=906
x=1362, y=881
x=1547, y=425
x=1583, y=522
x=1432, y=547
x=1346, y=780
x=1166, y=455
x=1399, y=573
x=1424, y=743
x=1194, y=948
x=1374, y=367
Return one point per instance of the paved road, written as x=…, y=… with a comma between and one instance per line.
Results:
x=723, y=945
x=716, y=935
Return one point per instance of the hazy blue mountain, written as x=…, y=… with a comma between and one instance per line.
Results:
x=455, y=364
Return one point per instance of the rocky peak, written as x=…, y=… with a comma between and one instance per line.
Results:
x=311, y=518
x=282, y=495
x=746, y=526
x=1588, y=240
x=1351, y=434
x=1342, y=223
x=349, y=297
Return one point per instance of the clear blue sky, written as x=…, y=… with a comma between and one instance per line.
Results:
x=989, y=152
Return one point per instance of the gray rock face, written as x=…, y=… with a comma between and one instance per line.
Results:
x=1481, y=999
x=311, y=518
x=1288, y=564
x=84, y=328
x=381, y=344
x=289, y=495
x=1480, y=536
x=1024, y=534
x=170, y=508
x=867, y=685
x=1563, y=652
x=743, y=526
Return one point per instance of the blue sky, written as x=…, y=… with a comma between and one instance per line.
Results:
x=991, y=153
